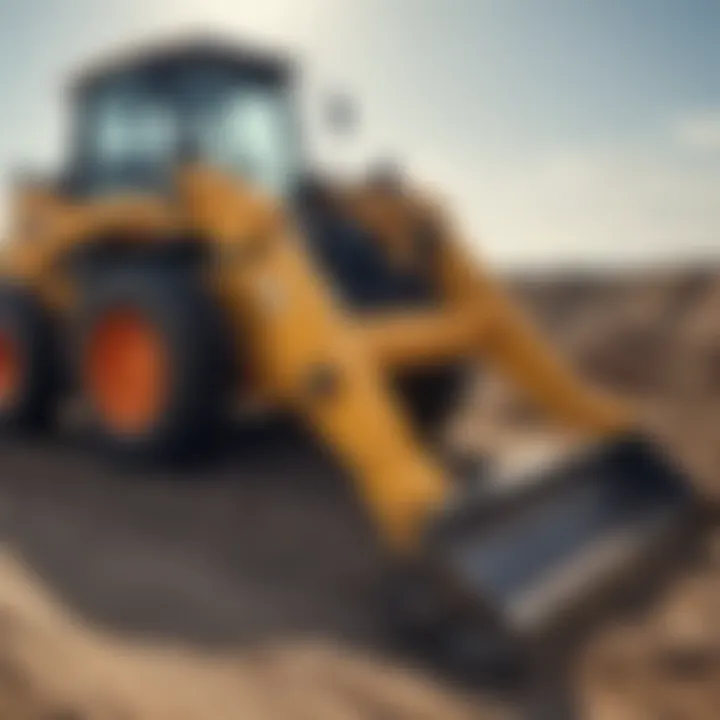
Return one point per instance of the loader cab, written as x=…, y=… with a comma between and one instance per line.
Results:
x=136, y=120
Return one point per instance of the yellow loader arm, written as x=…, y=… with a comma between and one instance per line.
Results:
x=331, y=366
x=513, y=346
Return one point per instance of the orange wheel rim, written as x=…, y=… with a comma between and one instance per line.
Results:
x=9, y=368
x=125, y=367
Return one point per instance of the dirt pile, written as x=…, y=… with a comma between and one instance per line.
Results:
x=655, y=340
x=666, y=665
x=116, y=551
x=649, y=334
x=52, y=667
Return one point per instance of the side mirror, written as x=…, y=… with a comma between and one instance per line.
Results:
x=341, y=114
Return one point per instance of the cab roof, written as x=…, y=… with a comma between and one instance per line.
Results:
x=262, y=63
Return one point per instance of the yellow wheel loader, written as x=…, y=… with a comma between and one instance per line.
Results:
x=184, y=261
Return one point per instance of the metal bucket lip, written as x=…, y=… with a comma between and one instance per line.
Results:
x=647, y=485
x=631, y=450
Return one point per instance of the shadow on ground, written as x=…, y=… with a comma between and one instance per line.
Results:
x=266, y=542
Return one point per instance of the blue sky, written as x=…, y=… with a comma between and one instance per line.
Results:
x=561, y=131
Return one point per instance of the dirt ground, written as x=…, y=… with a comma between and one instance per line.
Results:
x=51, y=666
x=242, y=590
x=655, y=340
x=245, y=590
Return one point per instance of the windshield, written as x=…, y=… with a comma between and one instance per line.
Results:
x=246, y=128
x=130, y=125
x=135, y=125
x=250, y=134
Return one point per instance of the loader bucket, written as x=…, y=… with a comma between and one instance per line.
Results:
x=531, y=559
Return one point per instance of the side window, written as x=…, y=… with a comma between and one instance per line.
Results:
x=249, y=125
x=254, y=133
x=243, y=127
x=130, y=125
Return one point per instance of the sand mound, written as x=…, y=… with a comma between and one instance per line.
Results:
x=654, y=339
x=53, y=667
x=665, y=666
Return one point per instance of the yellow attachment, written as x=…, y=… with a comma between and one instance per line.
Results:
x=408, y=339
x=478, y=318
x=330, y=366
x=313, y=358
x=309, y=353
x=514, y=347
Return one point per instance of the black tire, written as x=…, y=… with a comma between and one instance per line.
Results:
x=27, y=330
x=196, y=343
x=433, y=395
